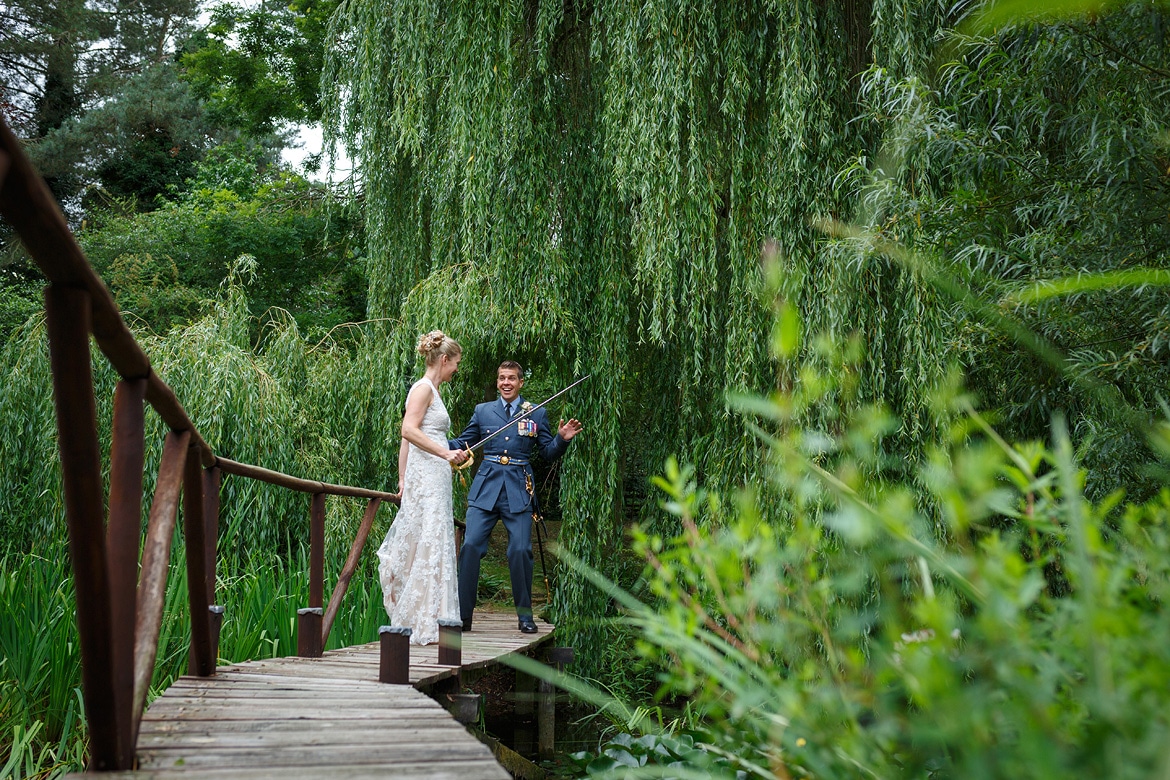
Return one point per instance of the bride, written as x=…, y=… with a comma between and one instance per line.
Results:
x=416, y=562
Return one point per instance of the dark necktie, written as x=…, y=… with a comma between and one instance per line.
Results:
x=508, y=411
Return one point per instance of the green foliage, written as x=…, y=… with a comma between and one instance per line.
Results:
x=139, y=145
x=588, y=185
x=1031, y=157
x=318, y=398
x=162, y=265
x=972, y=616
x=41, y=710
x=19, y=301
x=1011, y=12
x=63, y=56
x=122, y=101
x=258, y=68
x=678, y=753
x=509, y=151
x=59, y=59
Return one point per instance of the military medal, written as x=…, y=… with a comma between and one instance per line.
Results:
x=524, y=413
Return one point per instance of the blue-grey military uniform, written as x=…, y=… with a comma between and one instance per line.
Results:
x=501, y=490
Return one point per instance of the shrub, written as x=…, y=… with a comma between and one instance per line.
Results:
x=972, y=616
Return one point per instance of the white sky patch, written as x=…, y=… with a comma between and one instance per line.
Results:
x=308, y=140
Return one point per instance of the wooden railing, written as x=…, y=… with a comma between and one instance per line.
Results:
x=120, y=599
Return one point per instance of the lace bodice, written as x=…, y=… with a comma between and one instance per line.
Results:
x=436, y=422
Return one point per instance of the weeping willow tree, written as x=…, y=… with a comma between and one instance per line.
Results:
x=587, y=186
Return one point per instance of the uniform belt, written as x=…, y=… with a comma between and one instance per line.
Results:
x=505, y=460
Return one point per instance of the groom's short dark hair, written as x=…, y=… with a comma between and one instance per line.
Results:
x=512, y=364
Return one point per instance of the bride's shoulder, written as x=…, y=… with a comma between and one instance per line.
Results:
x=422, y=388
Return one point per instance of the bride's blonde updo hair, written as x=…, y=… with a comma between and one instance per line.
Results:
x=432, y=345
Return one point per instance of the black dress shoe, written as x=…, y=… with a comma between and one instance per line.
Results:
x=527, y=626
x=466, y=626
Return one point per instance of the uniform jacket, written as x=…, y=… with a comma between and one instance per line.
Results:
x=495, y=477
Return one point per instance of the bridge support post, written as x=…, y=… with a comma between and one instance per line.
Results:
x=525, y=694
x=450, y=642
x=464, y=707
x=317, y=551
x=546, y=703
x=215, y=616
x=310, y=620
x=394, y=663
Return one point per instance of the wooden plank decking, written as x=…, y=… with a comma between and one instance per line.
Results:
x=293, y=718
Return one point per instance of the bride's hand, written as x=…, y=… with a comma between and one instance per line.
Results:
x=455, y=457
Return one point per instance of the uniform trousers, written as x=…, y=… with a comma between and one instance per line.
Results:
x=480, y=524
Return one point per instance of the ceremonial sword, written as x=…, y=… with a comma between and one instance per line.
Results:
x=516, y=418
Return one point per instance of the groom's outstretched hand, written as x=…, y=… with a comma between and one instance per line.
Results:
x=567, y=430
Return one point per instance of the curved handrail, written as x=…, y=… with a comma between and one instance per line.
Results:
x=302, y=485
x=118, y=617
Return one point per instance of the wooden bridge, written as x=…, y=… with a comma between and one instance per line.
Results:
x=315, y=715
x=292, y=718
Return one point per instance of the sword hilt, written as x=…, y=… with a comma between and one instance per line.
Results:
x=467, y=463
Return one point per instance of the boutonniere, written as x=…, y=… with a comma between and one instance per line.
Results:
x=526, y=407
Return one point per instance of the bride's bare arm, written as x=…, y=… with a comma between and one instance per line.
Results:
x=403, y=452
x=416, y=406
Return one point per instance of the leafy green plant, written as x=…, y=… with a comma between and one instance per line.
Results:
x=627, y=752
x=973, y=615
x=163, y=265
x=40, y=683
x=1021, y=161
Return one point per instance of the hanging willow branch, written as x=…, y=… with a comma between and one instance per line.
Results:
x=589, y=185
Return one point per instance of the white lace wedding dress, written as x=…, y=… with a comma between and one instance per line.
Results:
x=416, y=562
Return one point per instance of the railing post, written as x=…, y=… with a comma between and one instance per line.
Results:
x=450, y=642
x=546, y=702
x=309, y=632
x=317, y=551
x=394, y=661
x=127, y=456
x=68, y=319
x=200, y=660
x=309, y=620
x=211, y=485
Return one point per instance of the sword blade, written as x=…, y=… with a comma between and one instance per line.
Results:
x=522, y=415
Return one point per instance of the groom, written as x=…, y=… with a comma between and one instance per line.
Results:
x=504, y=488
